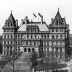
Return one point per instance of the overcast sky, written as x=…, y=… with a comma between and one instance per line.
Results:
x=48, y=8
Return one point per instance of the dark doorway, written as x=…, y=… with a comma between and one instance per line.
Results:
x=28, y=49
x=33, y=50
x=25, y=49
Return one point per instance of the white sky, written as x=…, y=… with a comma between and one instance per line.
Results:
x=48, y=8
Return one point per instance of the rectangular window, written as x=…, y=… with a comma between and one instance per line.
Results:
x=11, y=42
x=27, y=36
x=26, y=42
x=31, y=36
x=18, y=36
x=21, y=36
x=47, y=36
x=4, y=36
x=4, y=42
x=21, y=42
x=8, y=42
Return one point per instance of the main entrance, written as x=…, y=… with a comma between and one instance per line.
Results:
x=29, y=49
x=24, y=49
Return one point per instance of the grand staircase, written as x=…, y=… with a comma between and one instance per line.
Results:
x=21, y=64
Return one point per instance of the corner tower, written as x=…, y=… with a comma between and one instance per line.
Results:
x=9, y=30
x=59, y=37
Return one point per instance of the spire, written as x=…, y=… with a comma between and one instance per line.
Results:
x=58, y=16
x=11, y=18
x=11, y=11
x=58, y=9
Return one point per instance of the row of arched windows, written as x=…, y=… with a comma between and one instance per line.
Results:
x=52, y=36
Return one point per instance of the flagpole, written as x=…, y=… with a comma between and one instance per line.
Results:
x=38, y=18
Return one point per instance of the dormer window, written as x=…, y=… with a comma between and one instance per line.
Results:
x=8, y=24
x=57, y=22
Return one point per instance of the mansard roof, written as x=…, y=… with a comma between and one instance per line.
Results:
x=42, y=27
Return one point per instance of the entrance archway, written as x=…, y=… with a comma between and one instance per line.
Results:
x=25, y=49
x=33, y=49
x=28, y=49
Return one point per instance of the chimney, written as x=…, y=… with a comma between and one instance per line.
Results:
x=26, y=20
x=41, y=19
x=51, y=20
x=16, y=22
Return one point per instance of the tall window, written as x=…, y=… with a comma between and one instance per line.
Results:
x=61, y=36
x=21, y=36
x=26, y=42
x=21, y=42
x=11, y=36
x=47, y=36
x=52, y=36
x=8, y=36
x=27, y=36
x=31, y=36
x=57, y=49
x=11, y=42
x=56, y=36
x=4, y=36
x=42, y=36
x=8, y=42
x=18, y=36
x=4, y=42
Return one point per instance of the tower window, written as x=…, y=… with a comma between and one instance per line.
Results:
x=8, y=24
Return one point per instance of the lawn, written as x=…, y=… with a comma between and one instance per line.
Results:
x=49, y=66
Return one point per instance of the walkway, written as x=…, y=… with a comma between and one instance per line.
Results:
x=21, y=64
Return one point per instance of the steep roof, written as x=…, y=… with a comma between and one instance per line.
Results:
x=10, y=22
x=42, y=27
x=58, y=16
x=12, y=19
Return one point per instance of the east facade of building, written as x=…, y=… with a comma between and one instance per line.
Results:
x=27, y=36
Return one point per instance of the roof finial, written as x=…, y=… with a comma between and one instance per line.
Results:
x=58, y=9
x=11, y=11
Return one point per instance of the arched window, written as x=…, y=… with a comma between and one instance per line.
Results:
x=25, y=49
x=8, y=36
x=52, y=36
x=28, y=49
x=42, y=36
x=11, y=36
x=56, y=36
x=57, y=49
x=61, y=36
x=33, y=49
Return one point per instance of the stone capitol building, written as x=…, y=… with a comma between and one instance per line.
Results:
x=27, y=36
